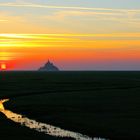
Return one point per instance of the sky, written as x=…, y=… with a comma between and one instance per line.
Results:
x=73, y=34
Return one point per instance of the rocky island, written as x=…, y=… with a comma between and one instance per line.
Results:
x=49, y=66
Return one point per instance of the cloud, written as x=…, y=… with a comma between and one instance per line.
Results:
x=3, y=20
x=7, y=18
x=128, y=18
x=68, y=19
x=35, y=5
x=69, y=13
x=65, y=37
x=11, y=23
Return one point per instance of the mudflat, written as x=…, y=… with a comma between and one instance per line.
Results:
x=98, y=104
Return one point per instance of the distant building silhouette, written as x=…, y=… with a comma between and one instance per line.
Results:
x=49, y=66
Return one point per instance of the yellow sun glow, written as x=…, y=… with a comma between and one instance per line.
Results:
x=3, y=66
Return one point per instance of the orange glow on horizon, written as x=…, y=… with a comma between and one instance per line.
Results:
x=21, y=50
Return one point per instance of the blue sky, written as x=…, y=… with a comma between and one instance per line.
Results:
x=90, y=3
x=118, y=18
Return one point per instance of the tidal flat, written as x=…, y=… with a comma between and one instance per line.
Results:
x=98, y=104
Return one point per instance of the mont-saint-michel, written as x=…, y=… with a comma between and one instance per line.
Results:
x=49, y=66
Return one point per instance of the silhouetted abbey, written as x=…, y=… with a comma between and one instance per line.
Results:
x=49, y=67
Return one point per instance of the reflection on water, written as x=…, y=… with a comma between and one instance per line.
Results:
x=46, y=128
x=1, y=104
x=42, y=127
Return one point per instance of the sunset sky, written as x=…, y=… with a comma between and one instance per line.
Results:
x=74, y=34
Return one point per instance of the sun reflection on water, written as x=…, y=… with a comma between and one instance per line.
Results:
x=43, y=127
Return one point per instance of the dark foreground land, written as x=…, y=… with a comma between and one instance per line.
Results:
x=98, y=104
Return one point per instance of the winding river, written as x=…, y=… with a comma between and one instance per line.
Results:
x=42, y=127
